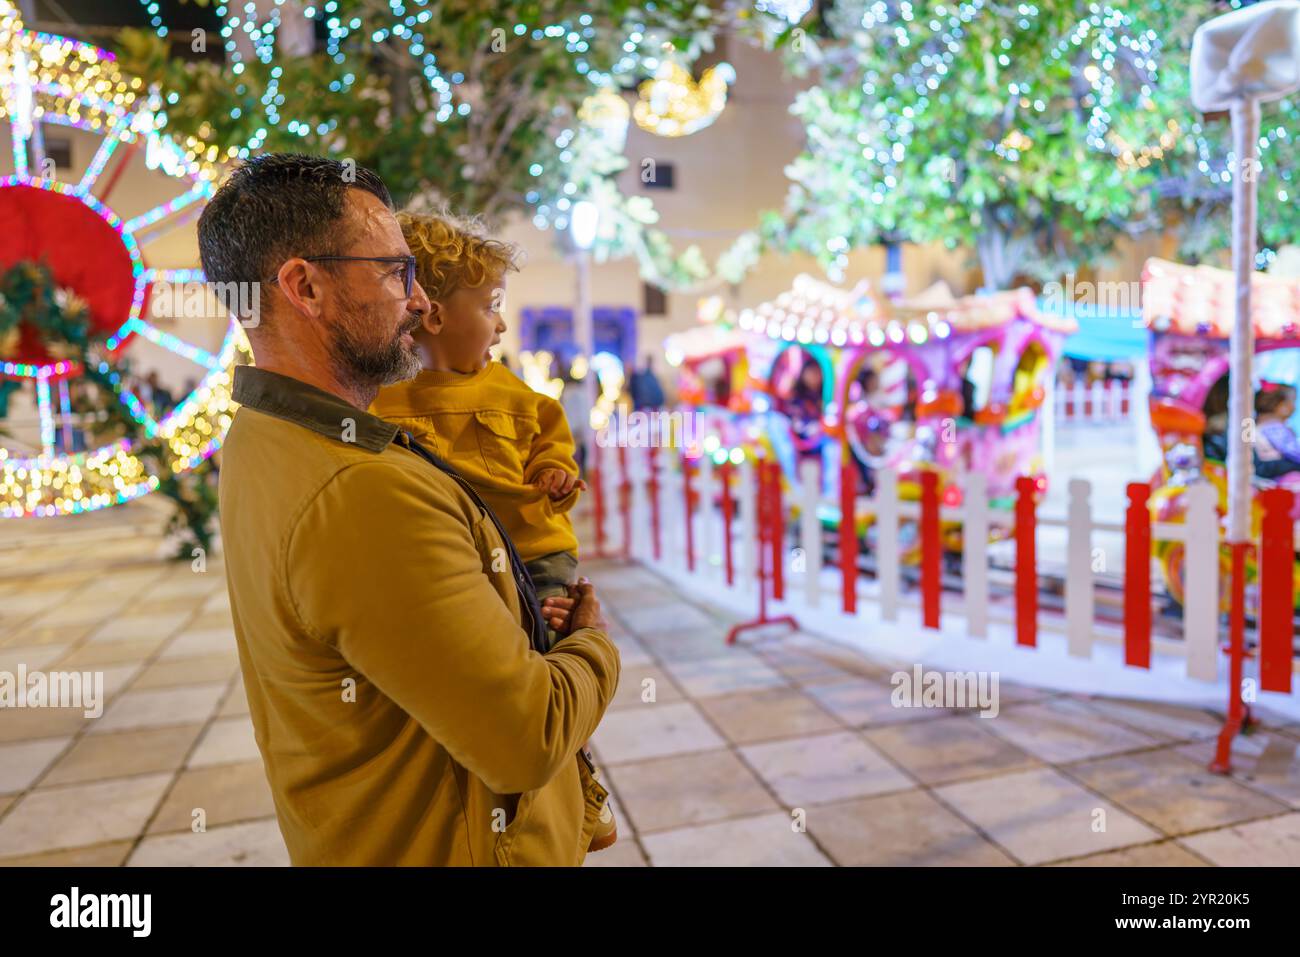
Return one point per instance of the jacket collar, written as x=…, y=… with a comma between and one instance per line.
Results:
x=312, y=408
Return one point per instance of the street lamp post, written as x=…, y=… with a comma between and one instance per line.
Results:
x=582, y=228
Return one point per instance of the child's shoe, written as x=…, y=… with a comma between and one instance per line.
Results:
x=606, y=832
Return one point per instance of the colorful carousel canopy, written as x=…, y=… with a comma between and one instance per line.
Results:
x=813, y=311
x=1199, y=301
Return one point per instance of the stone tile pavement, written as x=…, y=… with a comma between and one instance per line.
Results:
x=784, y=751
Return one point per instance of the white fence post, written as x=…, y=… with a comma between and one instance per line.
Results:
x=708, y=520
x=974, y=553
x=810, y=530
x=637, y=473
x=886, y=517
x=746, y=568
x=1201, y=583
x=1079, y=585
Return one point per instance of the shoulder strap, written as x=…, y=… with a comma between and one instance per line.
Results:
x=528, y=602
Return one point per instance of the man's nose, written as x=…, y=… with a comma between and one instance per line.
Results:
x=419, y=301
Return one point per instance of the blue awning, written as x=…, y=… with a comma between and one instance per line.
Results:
x=1105, y=335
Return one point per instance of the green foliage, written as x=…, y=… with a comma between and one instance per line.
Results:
x=507, y=98
x=29, y=296
x=1035, y=133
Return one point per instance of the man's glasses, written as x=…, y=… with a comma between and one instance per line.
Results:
x=408, y=273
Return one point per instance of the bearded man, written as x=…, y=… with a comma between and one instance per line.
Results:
x=388, y=634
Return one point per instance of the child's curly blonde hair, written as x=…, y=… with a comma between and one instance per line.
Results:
x=454, y=252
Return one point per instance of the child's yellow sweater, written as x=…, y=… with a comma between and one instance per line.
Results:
x=499, y=434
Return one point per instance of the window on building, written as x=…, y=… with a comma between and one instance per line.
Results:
x=654, y=301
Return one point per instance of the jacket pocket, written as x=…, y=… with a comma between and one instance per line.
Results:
x=504, y=441
x=507, y=837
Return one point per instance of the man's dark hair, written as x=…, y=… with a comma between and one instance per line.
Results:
x=274, y=207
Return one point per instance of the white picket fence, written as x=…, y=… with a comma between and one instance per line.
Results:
x=1102, y=401
x=1200, y=636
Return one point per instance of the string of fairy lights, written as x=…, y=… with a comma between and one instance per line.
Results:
x=55, y=80
x=1104, y=42
x=672, y=103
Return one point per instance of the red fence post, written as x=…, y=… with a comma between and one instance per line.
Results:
x=848, y=538
x=1276, y=590
x=652, y=489
x=725, y=474
x=768, y=501
x=598, y=503
x=1026, y=563
x=930, y=555
x=689, y=494
x=1137, y=577
x=776, y=517
x=1238, y=711
x=625, y=500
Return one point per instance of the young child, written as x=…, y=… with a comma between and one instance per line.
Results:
x=1277, y=451
x=511, y=443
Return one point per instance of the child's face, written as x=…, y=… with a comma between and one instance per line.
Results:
x=463, y=327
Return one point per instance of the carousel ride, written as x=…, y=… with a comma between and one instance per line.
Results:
x=842, y=377
x=1189, y=313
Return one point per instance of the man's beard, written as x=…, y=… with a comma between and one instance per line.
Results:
x=365, y=364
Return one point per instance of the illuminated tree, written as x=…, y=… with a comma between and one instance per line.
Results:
x=473, y=102
x=1035, y=133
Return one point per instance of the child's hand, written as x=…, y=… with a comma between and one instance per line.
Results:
x=557, y=611
x=558, y=483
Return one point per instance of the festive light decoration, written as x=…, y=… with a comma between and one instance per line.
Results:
x=54, y=80
x=561, y=157
x=535, y=368
x=609, y=374
x=815, y=311
x=1032, y=132
x=673, y=104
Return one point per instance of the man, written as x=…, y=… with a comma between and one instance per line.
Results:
x=386, y=636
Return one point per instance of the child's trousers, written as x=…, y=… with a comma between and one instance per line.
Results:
x=552, y=574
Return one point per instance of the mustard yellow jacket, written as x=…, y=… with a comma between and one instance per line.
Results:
x=401, y=714
x=500, y=435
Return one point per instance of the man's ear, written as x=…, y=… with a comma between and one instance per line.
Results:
x=300, y=284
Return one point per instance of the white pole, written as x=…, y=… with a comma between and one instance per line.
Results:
x=584, y=336
x=887, y=567
x=1079, y=585
x=1241, y=400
